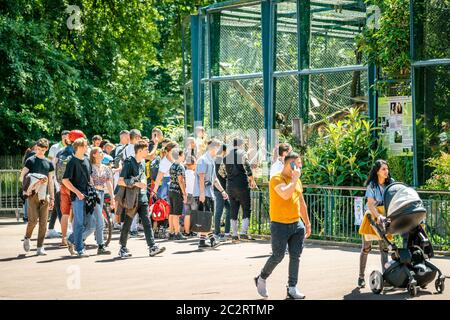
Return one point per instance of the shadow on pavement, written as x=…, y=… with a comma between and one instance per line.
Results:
x=61, y=259
x=398, y=294
x=259, y=257
x=123, y=259
x=19, y=257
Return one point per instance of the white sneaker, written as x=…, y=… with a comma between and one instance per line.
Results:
x=41, y=251
x=26, y=244
x=294, y=293
x=52, y=233
x=261, y=287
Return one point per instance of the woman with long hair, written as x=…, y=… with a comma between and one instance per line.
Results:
x=377, y=181
x=102, y=179
x=163, y=176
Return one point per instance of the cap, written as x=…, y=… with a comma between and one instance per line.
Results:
x=107, y=159
x=76, y=134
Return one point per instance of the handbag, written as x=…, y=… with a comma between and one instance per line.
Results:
x=201, y=219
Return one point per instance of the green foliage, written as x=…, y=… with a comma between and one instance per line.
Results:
x=388, y=47
x=344, y=153
x=440, y=179
x=401, y=169
x=122, y=69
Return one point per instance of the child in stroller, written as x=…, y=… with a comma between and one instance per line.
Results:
x=410, y=267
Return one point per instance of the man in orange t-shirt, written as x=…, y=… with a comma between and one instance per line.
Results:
x=289, y=216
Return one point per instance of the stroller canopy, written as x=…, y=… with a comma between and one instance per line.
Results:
x=403, y=207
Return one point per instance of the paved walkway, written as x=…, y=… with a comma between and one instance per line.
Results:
x=182, y=272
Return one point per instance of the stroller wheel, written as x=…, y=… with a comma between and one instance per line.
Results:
x=376, y=282
x=412, y=289
x=440, y=285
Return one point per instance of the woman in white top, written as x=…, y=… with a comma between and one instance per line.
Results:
x=163, y=176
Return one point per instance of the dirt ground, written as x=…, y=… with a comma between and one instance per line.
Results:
x=182, y=272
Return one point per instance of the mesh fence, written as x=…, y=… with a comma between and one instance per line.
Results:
x=436, y=28
x=235, y=42
x=239, y=36
x=286, y=37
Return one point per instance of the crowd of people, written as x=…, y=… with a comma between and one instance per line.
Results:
x=72, y=181
x=76, y=177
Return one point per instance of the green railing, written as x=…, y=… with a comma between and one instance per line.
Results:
x=332, y=214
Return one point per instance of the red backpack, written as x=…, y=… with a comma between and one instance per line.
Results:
x=160, y=210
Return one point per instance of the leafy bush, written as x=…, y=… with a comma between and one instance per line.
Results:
x=344, y=152
x=401, y=169
x=440, y=178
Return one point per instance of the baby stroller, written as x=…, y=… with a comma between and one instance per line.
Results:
x=410, y=267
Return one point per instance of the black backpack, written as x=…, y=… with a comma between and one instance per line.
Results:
x=154, y=168
x=118, y=157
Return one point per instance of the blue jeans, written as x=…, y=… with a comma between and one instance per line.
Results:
x=25, y=209
x=78, y=225
x=291, y=235
x=163, y=190
x=95, y=221
x=220, y=205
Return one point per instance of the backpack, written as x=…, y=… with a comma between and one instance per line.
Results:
x=118, y=158
x=154, y=168
x=160, y=210
x=60, y=167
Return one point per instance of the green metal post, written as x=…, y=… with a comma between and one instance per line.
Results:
x=417, y=84
x=304, y=32
x=214, y=67
x=267, y=10
x=196, y=65
x=373, y=96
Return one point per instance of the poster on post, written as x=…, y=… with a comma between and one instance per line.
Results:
x=396, y=121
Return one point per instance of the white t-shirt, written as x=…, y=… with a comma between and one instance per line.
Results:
x=164, y=166
x=57, y=147
x=276, y=167
x=129, y=151
x=124, y=156
x=190, y=181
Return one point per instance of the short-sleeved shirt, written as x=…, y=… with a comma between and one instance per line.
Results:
x=190, y=181
x=284, y=211
x=375, y=191
x=206, y=165
x=38, y=165
x=276, y=167
x=54, y=149
x=164, y=166
x=78, y=172
x=101, y=175
x=131, y=168
x=129, y=151
x=221, y=173
x=176, y=170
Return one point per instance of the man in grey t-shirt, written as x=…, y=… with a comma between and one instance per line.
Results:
x=205, y=180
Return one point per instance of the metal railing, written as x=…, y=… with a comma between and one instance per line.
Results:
x=10, y=186
x=332, y=214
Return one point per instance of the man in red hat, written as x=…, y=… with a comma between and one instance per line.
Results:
x=61, y=160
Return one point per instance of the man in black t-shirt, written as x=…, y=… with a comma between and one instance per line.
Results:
x=133, y=176
x=239, y=182
x=38, y=209
x=77, y=178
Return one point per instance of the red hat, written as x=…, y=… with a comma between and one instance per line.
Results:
x=76, y=134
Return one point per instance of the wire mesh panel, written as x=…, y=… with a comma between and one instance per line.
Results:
x=286, y=100
x=332, y=94
x=286, y=36
x=238, y=31
x=334, y=27
x=435, y=15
